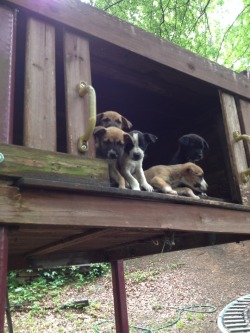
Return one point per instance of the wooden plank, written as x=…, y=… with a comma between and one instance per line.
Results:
x=7, y=64
x=40, y=99
x=76, y=68
x=109, y=28
x=244, y=114
x=3, y=272
x=36, y=163
x=237, y=156
x=70, y=241
x=34, y=207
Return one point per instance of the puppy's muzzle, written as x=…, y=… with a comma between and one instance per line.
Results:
x=136, y=156
x=203, y=185
x=112, y=154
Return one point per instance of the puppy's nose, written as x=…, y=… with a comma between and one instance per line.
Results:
x=136, y=156
x=112, y=154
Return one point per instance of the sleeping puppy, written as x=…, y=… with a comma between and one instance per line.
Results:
x=169, y=179
x=110, y=144
x=131, y=160
x=191, y=147
x=112, y=118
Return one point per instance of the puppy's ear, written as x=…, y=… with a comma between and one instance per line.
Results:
x=99, y=131
x=126, y=123
x=184, y=140
x=205, y=144
x=99, y=117
x=191, y=168
x=150, y=137
x=127, y=138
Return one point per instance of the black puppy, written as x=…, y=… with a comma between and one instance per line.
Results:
x=191, y=149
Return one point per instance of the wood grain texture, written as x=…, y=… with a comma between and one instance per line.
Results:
x=76, y=68
x=99, y=24
x=244, y=113
x=46, y=208
x=40, y=100
x=236, y=150
x=36, y=163
x=7, y=64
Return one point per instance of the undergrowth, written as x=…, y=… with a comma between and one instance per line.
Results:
x=25, y=290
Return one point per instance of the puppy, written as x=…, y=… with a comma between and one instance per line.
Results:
x=110, y=144
x=191, y=149
x=168, y=179
x=131, y=160
x=112, y=118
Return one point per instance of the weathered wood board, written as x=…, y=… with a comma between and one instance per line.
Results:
x=20, y=161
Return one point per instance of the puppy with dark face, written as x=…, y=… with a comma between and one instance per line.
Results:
x=113, y=119
x=110, y=144
x=191, y=149
x=131, y=160
x=171, y=179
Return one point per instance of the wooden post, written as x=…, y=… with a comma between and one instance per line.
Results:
x=119, y=292
x=7, y=53
x=3, y=272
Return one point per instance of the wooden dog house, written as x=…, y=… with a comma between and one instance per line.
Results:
x=57, y=207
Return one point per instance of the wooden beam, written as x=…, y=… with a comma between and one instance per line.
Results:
x=236, y=151
x=97, y=23
x=70, y=241
x=129, y=210
x=36, y=163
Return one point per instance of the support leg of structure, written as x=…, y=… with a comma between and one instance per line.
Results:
x=119, y=292
x=3, y=273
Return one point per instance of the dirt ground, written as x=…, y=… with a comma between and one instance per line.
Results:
x=209, y=276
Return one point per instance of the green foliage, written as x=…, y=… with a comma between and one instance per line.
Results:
x=49, y=282
x=194, y=25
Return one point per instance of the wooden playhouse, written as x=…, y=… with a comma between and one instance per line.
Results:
x=56, y=205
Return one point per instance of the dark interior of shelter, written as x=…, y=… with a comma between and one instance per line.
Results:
x=156, y=99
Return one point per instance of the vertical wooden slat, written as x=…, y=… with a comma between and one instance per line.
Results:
x=7, y=54
x=237, y=155
x=244, y=112
x=40, y=96
x=77, y=68
x=7, y=61
x=119, y=292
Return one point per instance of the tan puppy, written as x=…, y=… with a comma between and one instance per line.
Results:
x=110, y=144
x=167, y=179
x=112, y=118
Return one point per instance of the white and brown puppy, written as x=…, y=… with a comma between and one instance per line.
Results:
x=110, y=144
x=130, y=162
x=171, y=179
x=113, y=119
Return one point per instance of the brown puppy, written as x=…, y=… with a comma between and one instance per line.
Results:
x=165, y=178
x=112, y=118
x=110, y=144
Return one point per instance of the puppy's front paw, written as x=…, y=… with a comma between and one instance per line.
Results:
x=148, y=187
x=169, y=190
x=136, y=188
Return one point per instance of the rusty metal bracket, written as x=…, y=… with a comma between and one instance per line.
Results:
x=83, y=89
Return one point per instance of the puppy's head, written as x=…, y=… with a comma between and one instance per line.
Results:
x=135, y=149
x=112, y=119
x=192, y=146
x=193, y=176
x=110, y=141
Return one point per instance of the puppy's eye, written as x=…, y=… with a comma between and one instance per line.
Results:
x=120, y=143
x=118, y=121
x=106, y=142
